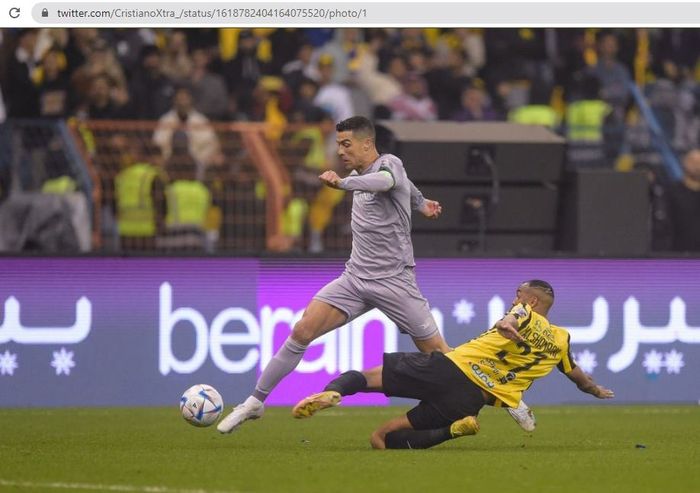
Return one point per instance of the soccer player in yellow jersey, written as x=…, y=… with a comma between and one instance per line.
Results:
x=494, y=368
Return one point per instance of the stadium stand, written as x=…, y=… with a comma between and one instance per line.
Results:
x=238, y=123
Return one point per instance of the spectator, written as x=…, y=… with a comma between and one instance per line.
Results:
x=397, y=69
x=569, y=51
x=418, y=62
x=139, y=199
x=208, y=89
x=128, y=44
x=101, y=61
x=22, y=95
x=300, y=68
x=515, y=55
x=207, y=38
x=684, y=206
x=50, y=39
x=538, y=111
x=414, y=104
x=408, y=39
x=674, y=99
x=54, y=88
x=304, y=109
x=332, y=97
x=585, y=122
x=285, y=46
x=322, y=155
x=345, y=50
x=271, y=102
x=104, y=101
x=380, y=87
x=150, y=89
x=469, y=42
x=475, y=106
x=185, y=128
x=613, y=75
x=448, y=81
x=79, y=46
x=188, y=203
x=233, y=114
x=678, y=46
x=242, y=72
x=320, y=35
x=175, y=62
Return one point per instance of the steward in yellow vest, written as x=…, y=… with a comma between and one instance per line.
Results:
x=137, y=195
x=585, y=119
x=535, y=114
x=189, y=202
x=539, y=110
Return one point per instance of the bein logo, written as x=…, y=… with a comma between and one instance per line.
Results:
x=341, y=349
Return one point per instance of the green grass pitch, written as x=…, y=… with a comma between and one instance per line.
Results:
x=152, y=450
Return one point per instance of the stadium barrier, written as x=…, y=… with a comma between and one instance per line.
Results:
x=139, y=331
x=254, y=172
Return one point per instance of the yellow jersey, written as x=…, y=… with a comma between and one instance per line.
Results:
x=505, y=368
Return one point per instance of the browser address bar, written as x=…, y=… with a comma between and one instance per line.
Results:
x=481, y=14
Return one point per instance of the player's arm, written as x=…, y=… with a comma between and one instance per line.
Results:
x=518, y=317
x=585, y=383
x=508, y=327
x=429, y=208
x=380, y=181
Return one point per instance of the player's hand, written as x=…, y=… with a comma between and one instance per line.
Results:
x=431, y=209
x=509, y=331
x=330, y=178
x=602, y=393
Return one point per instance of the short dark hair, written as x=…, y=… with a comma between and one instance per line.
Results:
x=543, y=285
x=182, y=86
x=356, y=124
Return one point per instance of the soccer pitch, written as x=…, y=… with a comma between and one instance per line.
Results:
x=574, y=449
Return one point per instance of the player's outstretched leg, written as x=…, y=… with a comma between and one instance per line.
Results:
x=399, y=434
x=464, y=427
x=318, y=318
x=524, y=416
x=349, y=383
x=251, y=408
x=310, y=405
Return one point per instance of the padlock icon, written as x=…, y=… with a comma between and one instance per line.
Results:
x=44, y=12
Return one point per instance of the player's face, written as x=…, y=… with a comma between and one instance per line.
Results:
x=524, y=294
x=350, y=149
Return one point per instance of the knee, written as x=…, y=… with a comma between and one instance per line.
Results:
x=303, y=332
x=436, y=343
x=377, y=440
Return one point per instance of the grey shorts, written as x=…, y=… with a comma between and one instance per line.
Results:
x=398, y=297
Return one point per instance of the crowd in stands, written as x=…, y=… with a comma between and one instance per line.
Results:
x=577, y=82
x=456, y=74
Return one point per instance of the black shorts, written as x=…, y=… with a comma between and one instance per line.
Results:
x=445, y=392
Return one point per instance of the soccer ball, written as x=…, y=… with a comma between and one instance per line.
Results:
x=201, y=405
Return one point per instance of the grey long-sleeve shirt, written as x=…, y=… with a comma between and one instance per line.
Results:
x=383, y=198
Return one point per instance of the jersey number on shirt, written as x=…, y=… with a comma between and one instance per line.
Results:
x=537, y=357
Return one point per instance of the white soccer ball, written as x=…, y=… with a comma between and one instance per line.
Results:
x=201, y=405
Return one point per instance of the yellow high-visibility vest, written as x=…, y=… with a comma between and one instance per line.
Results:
x=61, y=185
x=584, y=120
x=135, y=210
x=534, y=114
x=188, y=204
